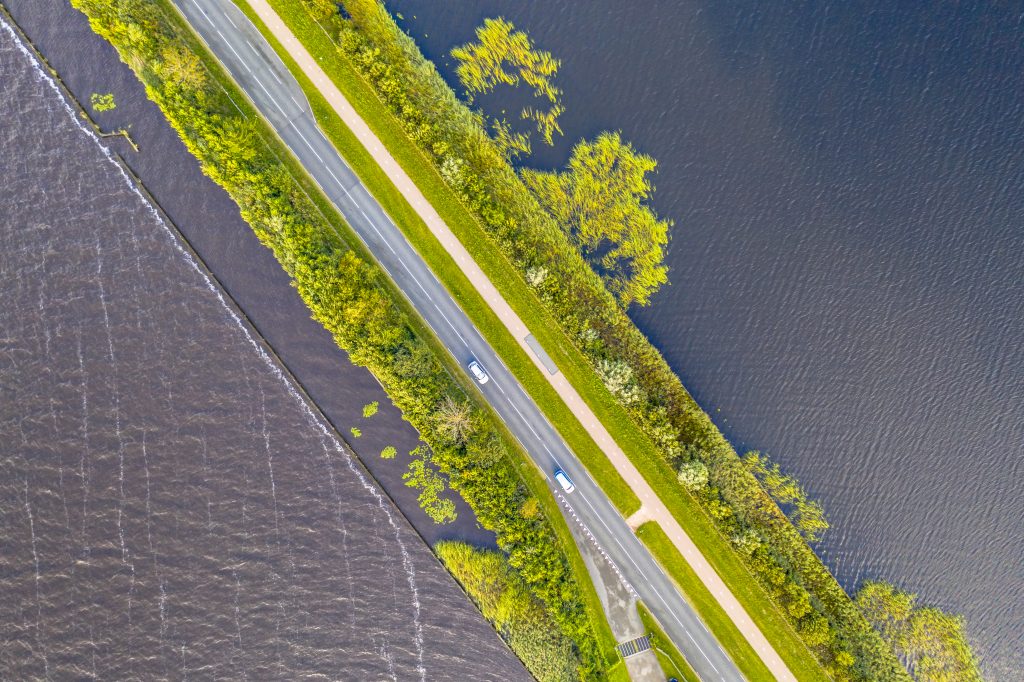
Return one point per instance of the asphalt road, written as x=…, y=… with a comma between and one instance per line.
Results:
x=274, y=92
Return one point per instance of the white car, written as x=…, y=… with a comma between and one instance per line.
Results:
x=478, y=372
x=563, y=480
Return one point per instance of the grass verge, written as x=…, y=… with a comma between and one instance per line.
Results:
x=531, y=310
x=672, y=663
x=704, y=603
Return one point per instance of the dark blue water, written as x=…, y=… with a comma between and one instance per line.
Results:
x=848, y=263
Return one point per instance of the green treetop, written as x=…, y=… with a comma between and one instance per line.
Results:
x=600, y=201
x=932, y=644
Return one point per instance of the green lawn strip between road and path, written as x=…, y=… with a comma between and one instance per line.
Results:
x=704, y=603
x=672, y=663
x=529, y=473
x=716, y=549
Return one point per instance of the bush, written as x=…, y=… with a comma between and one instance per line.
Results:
x=504, y=600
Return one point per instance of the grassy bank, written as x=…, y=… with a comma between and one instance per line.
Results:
x=692, y=512
x=362, y=310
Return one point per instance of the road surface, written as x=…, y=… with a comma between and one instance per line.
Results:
x=274, y=92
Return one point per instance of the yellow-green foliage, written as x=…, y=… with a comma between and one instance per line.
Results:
x=101, y=103
x=933, y=644
x=505, y=56
x=600, y=201
x=807, y=515
x=504, y=600
x=423, y=476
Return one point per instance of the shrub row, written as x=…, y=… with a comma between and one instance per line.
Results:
x=346, y=294
x=454, y=138
x=516, y=614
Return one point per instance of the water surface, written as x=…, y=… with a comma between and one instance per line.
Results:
x=848, y=265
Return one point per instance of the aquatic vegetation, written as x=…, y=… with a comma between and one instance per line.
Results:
x=503, y=55
x=102, y=102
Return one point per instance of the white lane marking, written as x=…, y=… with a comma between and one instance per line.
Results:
x=231, y=21
x=204, y=13
x=640, y=571
x=701, y=651
x=273, y=100
x=294, y=100
x=242, y=61
x=450, y=324
x=527, y=422
x=260, y=55
x=387, y=243
x=309, y=145
x=414, y=279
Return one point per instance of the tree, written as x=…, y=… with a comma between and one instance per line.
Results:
x=808, y=516
x=932, y=644
x=320, y=9
x=182, y=68
x=600, y=202
x=454, y=419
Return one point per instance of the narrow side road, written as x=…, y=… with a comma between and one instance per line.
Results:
x=272, y=89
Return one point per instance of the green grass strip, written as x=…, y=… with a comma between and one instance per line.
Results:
x=672, y=663
x=503, y=274
x=704, y=603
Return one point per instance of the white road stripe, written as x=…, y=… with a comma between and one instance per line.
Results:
x=451, y=325
x=204, y=13
x=272, y=98
x=309, y=145
x=231, y=21
x=225, y=41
